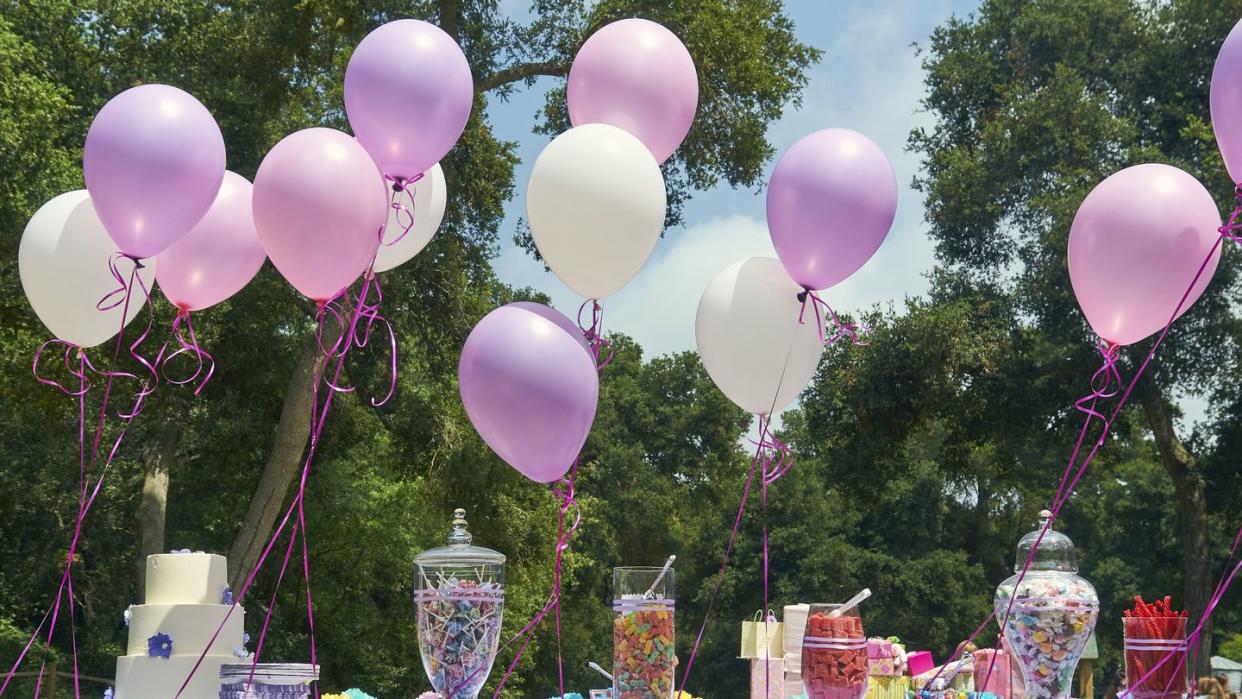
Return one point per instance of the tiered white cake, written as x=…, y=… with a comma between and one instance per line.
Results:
x=184, y=603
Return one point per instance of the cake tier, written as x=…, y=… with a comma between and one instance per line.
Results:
x=186, y=578
x=190, y=626
x=142, y=677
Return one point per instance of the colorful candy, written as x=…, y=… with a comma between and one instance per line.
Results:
x=458, y=630
x=644, y=656
x=1155, y=644
x=1048, y=627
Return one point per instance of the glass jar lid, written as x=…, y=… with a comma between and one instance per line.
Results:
x=459, y=552
x=1055, y=551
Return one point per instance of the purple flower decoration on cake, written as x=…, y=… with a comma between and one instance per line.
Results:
x=159, y=646
x=226, y=597
x=107, y=693
x=126, y=615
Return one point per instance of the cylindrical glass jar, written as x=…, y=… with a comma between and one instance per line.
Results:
x=644, y=655
x=834, y=654
x=460, y=596
x=1147, y=643
x=1048, y=614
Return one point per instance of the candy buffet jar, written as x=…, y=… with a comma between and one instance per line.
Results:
x=459, y=593
x=1155, y=651
x=644, y=655
x=834, y=654
x=1048, y=616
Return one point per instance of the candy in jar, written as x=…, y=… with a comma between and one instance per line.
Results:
x=1048, y=615
x=834, y=654
x=644, y=657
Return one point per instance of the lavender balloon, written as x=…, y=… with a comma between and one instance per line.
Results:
x=636, y=75
x=1136, y=242
x=530, y=388
x=219, y=256
x=1226, y=100
x=153, y=161
x=408, y=92
x=831, y=203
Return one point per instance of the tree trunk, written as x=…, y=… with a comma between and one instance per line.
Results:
x=152, y=510
x=283, y=462
x=1188, y=489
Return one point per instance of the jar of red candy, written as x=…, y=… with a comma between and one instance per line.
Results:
x=834, y=654
x=1155, y=644
x=644, y=657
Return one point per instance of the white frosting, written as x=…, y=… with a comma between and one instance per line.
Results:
x=190, y=626
x=142, y=677
x=183, y=601
x=186, y=578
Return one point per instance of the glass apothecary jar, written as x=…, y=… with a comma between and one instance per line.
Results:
x=644, y=655
x=459, y=594
x=1048, y=615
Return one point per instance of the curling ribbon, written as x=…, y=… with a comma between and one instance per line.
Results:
x=842, y=329
x=402, y=188
x=601, y=348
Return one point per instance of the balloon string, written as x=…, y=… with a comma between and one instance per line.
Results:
x=777, y=460
x=402, y=189
x=759, y=464
x=842, y=329
x=1102, y=389
x=564, y=491
x=601, y=348
x=371, y=312
x=183, y=324
x=332, y=362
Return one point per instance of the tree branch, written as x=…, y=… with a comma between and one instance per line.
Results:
x=521, y=71
x=448, y=18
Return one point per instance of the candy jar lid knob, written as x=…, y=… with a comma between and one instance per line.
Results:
x=459, y=536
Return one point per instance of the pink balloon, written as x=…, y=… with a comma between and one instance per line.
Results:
x=831, y=203
x=319, y=205
x=408, y=92
x=636, y=75
x=1136, y=243
x=153, y=162
x=220, y=254
x=1226, y=100
x=530, y=387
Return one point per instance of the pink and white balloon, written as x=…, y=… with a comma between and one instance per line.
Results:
x=219, y=256
x=1135, y=241
x=831, y=203
x=319, y=207
x=153, y=162
x=638, y=76
x=749, y=337
x=595, y=205
x=408, y=93
x=63, y=263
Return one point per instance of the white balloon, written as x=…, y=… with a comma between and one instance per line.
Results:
x=749, y=337
x=430, y=198
x=63, y=263
x=595, y=205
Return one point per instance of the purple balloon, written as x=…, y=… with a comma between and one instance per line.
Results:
x=530, y=388
x=1136, y=242
x=153, y=162
x=636, y=75
x=408, y=92
x=1226, y=100
x=831, y=202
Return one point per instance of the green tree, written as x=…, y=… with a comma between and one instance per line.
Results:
x=1033, y=105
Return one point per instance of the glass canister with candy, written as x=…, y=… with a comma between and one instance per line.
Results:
x=460, y=596
x=1155, y=644
x=1048, y=614
x=644, y=657
x=834, y=653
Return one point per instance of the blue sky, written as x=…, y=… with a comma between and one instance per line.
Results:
x=869, y=80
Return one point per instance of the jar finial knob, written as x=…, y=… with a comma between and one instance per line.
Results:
x=459, y=535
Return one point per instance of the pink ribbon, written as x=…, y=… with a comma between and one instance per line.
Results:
x=181, y=325
x=843, y=329
x=402, y=188
x=601, y=348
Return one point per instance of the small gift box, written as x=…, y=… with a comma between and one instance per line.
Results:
x=885, y=658
x=887, y=687
x=958, y=675
x=919, y=661
x=762, y=637
x=767, y=678
x=996, y=674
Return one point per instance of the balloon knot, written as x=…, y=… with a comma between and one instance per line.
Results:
x=137, y=262
x=397, y=186
x=802, y=295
